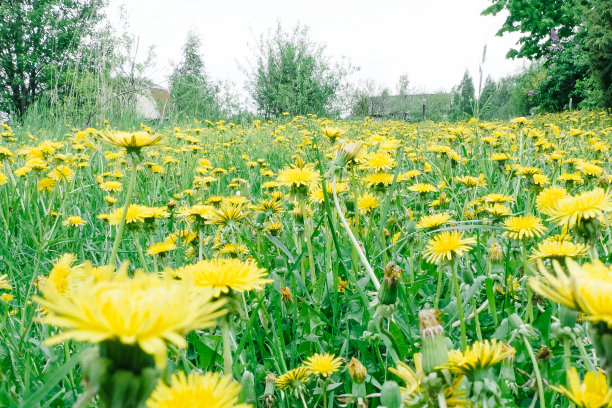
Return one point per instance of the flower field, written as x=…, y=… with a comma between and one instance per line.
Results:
x=306, y=263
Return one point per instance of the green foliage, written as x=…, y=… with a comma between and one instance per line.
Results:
x=599, y=42
x=543, y=23
x=463, y=99
x=39, y=39
x=191, y=90
x=292, y=74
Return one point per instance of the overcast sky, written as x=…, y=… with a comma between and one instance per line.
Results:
x=433, y=41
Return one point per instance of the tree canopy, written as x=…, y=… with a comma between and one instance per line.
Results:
x=39, y=38
x=292, y=74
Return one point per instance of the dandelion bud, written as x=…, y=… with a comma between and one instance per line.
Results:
x=347, y=153
x=433, y=350
x=544, y=353
x=356, y=370
x=496, y=254
x=247, y=392
x=286, y=294
x=387, y=294
x=390, y=395
x=268, y=396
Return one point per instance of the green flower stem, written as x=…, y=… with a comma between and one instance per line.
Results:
x=201, y=244
x=143, y=261
x=476, y=320
x=459, y=306
x=362, y=256
x=536, y=370
x=567, y=362
x=438, y=289
x=308, y=236
x=227, y=346
x=128, y=197
x=529, y=310
x=583, y=353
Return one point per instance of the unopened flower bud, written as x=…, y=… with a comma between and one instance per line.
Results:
x=496, y=254
x=387, y=294
x=544, y=353
x=356, y=370
x=390, y=395
x=434, y=349
x=286, y=294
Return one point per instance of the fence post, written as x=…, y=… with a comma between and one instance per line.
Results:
x=424, y=109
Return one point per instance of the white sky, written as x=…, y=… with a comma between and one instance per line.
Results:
x=433, y=41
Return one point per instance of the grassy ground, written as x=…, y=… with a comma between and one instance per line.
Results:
x=322, y=299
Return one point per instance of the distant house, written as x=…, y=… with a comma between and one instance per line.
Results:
x=153, y=103
x=407, y=107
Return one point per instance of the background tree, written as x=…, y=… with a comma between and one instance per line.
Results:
x=39, y=39
x=485, y=99
x=292, y=74
x=599, y=42
x=544, y=24
x=462, y=102
x=573, y=40
x=191, y=90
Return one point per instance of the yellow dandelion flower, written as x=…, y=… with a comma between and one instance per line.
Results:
x=570, y=178
x=555, y=248
x=298, y=177
x=378, y=179
x=433, y=220
x=497, y=210
x=547, y=199
x=479, y=356
x=131, y=140
x=379, y=161
x=62, y=173
x=136, y=213
x=145, y=310
x=74, y=221
x=293, y=378
x=591, y=285
x=209, y=390
x=367, y=202
x=64, y=273
x=4, y=284
x=160, y=248
x=323, y=364
x=471, y=181
x=111, y=186
x=592, y=393
x=523, y=226
x=223, y=275
x=227, y=215
x=46, y=184
x=571, y=211
x=447, y=245
x=423, y=188
x=497, y=198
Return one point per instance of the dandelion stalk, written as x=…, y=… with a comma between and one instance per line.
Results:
x=438, y=289
x=227, y=345
x=459, y=306
x=362, y=256
x=308, y=235
x=536, y=370
x=128, y=197
x=140, y=252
